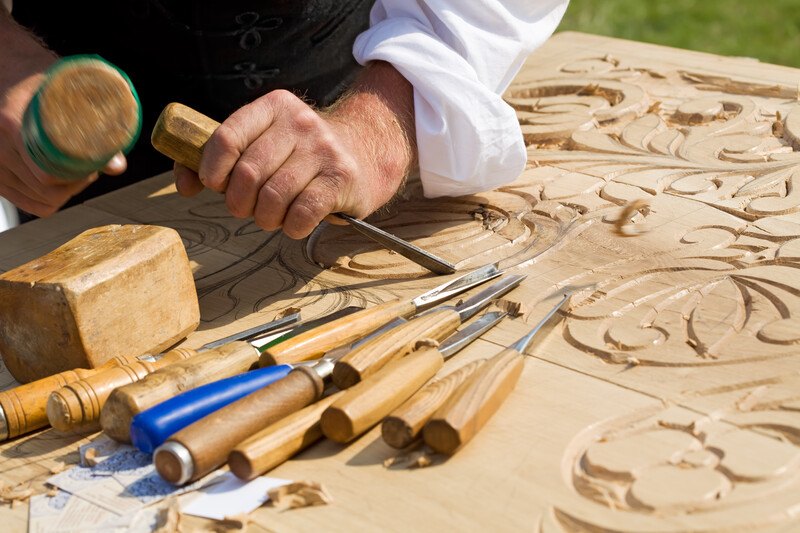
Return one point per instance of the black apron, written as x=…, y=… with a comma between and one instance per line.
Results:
x=214, y=56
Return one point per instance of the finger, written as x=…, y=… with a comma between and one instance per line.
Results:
x=186, y=181
x=314, y=203
x=232, y=138
x=10, y=190
x=256, y=167
x=50, y=188
x=281, y=189
x=116, y=165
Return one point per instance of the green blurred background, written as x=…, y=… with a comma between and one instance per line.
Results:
x=768, y=30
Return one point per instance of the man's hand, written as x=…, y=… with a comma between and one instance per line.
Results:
x=289, y=166
x=22, y=63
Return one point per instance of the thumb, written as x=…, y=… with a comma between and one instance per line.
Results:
x=116, y=165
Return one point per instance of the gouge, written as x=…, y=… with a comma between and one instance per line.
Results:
x=233, y=358
x=77, y=405
x=435, y=324
x=201, y=447
x=477, y=399
x=314, y=344
x=181, y=133
x=366, y=403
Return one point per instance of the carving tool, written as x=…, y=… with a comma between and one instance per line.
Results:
x=181, y=134
x=477, y=399
x=275, y=444
x=367, y=402
x=435, y=324
x=77, y=404
x=236, y=357
x=150, y=428
x=314, y=344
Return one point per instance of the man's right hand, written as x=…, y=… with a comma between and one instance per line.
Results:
x=23, y=60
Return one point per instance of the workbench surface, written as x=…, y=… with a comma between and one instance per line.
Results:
x=669, y=397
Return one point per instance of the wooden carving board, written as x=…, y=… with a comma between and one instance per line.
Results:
x=669, y=397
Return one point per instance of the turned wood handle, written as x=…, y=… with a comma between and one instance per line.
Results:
x=181, y=133
x=314, y=343
x=211, y=439
x=279, y=442
x=397, y=342
x=366, y=403
x=474, y=403
x=126, y=402
x=77, y=405
x=404, y=424
x=24, y=408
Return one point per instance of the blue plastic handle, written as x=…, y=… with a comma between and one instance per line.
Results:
x=150, y=428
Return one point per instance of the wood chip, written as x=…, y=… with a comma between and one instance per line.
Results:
x=286, y=312
x=514, y=309
x=414, y=459
x=58, y=468
x=12, y=495
x=624, y=224
x=426, y=343
x=90, y=457
x=169, y=519
x=299, y=494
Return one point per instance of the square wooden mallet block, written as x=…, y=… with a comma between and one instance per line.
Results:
x=119, y=290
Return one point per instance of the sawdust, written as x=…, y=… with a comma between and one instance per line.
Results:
x=299, y=494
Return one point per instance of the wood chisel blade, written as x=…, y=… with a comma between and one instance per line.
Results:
x=463, y=337
x=254, y=332
x=451, y=288
x=410, y=251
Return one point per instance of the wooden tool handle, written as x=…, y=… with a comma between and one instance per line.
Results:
x=126, y=402
x=181, y=133
x=363, y=405
x=405, y=423
x=211, y=439
x=280, y=441
x=397, y=342
x=474, y=403
x=314, y=343
x=24, y=408
x=77, y=405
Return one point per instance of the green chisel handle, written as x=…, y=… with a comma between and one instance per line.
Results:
x=366, y=403
x=474, y=403
x=395, y=343
x=404, y=424
x=314, y=343
x=280, y=441
x=126, y=402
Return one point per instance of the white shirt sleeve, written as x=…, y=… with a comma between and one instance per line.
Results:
x=460, y=55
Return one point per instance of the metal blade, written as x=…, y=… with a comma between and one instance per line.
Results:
x=460, y=339
x=451, y=288
x=470, y=307
x=406, y=249
x=522, y=344
x=271, y=340
x=251, y=333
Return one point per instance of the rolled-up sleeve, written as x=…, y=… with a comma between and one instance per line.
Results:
x=460, y=55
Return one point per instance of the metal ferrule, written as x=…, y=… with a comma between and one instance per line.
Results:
x=182, y=455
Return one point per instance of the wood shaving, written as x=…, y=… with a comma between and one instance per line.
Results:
x=342, y=262
x=426, y=343
x=514, y=309
x=632, y=361
x=286, y=312
x=58, y=468
x=414, y=459
x=14, y=495
x=90, y=457
x=624, y=224
x=299, y=494
x=169, y=519
x=52, y=492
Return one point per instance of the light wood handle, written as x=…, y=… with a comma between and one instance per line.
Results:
x=474, y=403
x=181, y=133
x=314, y=343
x=126, y=402
x=397, y=342
x=366, y=403
x=280, y=441
x=24, y=408
x=404, y=424
x=211, y=439
x=77, y=405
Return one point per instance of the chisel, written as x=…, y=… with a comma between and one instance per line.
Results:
x=478, y=398
x=275, y=444
x=181, y=133
x=224, y=361
x=314, y=344
x=435, y=324
x=150, y=428
x=24, y=408
x=364, y=404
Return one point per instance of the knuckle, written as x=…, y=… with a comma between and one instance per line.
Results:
x=225, y=138
x=306, y=120
x=246, y=173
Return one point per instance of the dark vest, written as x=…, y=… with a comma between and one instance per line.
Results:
x=214, y=56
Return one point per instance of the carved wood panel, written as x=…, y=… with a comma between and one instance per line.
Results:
x=663, y=189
